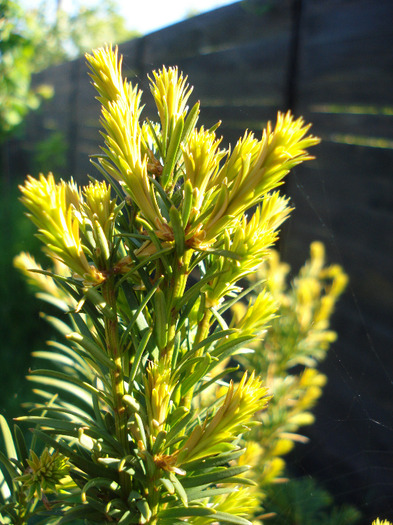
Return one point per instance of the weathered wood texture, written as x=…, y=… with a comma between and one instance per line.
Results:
x=332, y=62
x=344, y=85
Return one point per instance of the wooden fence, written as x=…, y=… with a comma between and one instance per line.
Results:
x=331, y=61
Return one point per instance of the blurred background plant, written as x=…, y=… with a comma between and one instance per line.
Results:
x=31, y=40
x=302, y=500
x=50, y=153
x=59, y=35
x=17, y=63
x=296, y=342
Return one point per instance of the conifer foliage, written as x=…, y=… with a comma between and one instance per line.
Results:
x=143, y=411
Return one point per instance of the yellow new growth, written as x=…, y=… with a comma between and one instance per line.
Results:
x=99, y=205
x=53, y=209
x=170, y=92
x=44, y=472
x=46, y=286
x=257, y=167
x=256, y=317
x=230, y=420
x=253, y=238
x=201, y=161
x=217, y=192
x=251, y=241
x=158, y=394
x=128, y=160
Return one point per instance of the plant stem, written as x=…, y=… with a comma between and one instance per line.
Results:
x=203, y=329
x=202, y=333
x=177, y=287
x=117, y=379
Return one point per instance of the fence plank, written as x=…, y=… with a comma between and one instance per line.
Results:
x=346, y=52
x=344, y=86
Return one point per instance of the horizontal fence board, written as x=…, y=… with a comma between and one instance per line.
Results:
x=345, y=52
x=342, y=20
x=335, y=125
x=234, y=24
x=335, y=179
x=237, y=118
x=255, y=69
x=349, y=79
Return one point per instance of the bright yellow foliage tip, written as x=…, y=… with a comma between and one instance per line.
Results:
x=219, y=185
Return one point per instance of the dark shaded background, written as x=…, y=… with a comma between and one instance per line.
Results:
x=332, y=62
